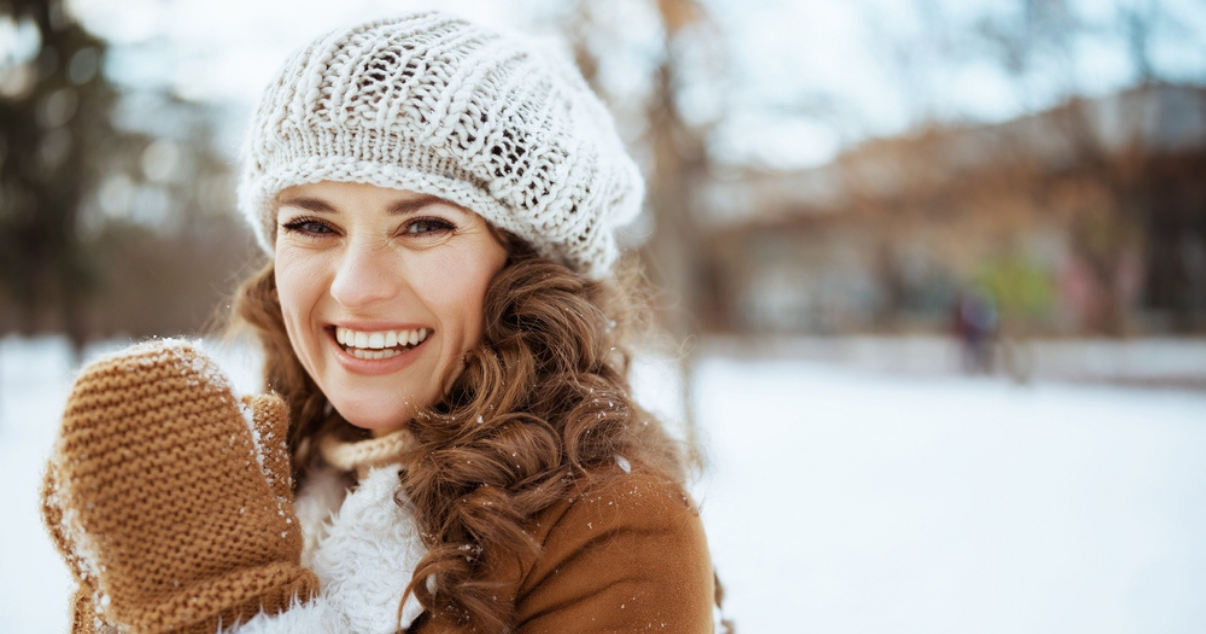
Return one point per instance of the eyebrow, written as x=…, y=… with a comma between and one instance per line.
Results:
x=400, y=208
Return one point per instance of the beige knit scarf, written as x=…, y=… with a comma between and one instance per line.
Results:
x=361, y=455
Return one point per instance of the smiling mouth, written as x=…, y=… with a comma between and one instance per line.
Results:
x=381, y=344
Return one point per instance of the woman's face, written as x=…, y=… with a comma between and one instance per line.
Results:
x=382, y=294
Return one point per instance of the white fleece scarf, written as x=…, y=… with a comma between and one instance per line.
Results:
x=360, y=542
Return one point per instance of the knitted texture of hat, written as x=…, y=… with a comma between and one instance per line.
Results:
x=170, y=498
x=437, y=105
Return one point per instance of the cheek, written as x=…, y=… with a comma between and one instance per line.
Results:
x=471, y=305
x=299, y=284
x=461, y=298
x=460, y=306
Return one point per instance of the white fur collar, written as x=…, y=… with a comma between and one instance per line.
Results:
x=364, y=554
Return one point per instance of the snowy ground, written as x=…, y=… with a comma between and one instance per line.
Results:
x=844, y=499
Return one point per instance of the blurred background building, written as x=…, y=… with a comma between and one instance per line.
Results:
x=1084, y=219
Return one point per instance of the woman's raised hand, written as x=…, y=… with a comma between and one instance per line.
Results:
x=170, y=499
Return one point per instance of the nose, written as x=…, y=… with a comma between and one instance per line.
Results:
x=366, y=274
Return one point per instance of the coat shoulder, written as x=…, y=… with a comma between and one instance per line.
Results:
x=626, y=552
x=618, y=500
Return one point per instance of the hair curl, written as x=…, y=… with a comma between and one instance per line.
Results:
x=542, y=401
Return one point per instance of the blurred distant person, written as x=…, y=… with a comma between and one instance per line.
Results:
x=975, y=325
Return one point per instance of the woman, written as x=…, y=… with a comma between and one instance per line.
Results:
x=444, y=329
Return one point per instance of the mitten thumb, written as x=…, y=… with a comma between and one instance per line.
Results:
x=268, y=418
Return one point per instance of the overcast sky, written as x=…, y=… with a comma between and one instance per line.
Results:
x=805, y=77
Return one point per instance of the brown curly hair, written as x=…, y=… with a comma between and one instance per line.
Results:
x=541, y=403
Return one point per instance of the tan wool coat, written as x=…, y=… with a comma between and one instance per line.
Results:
x=628, y=555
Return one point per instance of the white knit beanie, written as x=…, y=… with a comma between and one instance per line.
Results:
x=437, y=105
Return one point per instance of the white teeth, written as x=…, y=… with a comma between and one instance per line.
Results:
x=374, y=354
x=378, y=345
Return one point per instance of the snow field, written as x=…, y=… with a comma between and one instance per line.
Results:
x=845, y=501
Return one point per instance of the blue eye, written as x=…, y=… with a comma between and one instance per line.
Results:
x=425, y=226
x=308, y=226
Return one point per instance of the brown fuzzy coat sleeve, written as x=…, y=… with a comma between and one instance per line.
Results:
x=628, y=555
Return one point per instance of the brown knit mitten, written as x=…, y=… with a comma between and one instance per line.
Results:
x=171, y=500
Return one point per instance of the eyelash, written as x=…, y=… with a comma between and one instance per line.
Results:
x=436, y=225
x=320, y=228
x=299, y=226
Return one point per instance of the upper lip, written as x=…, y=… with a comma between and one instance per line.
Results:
x=377, y=326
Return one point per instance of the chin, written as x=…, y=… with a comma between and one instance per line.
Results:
x=375, y=419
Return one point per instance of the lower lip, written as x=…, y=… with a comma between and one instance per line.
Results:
x=376, y=367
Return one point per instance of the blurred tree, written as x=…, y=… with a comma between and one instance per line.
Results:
x=160, y=226
x=675, y=145
x=54, y=106
x=115, y=207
